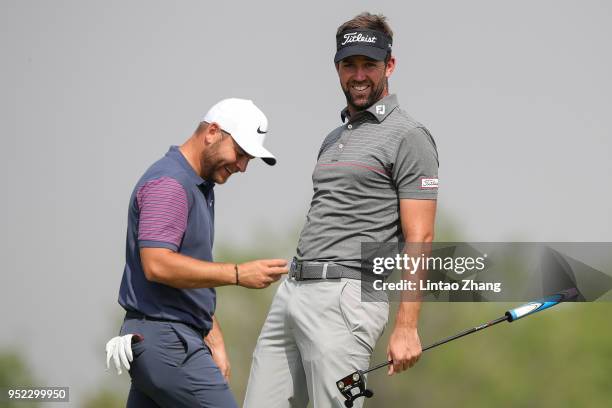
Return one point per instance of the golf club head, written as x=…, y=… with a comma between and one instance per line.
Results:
x=352, y=387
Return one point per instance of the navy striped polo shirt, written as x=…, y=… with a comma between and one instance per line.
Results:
x=171, y=207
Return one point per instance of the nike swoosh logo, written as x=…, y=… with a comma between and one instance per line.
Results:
x=261, y=132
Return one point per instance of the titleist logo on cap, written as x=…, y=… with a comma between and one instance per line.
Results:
x=355, y=41
x=358, y=37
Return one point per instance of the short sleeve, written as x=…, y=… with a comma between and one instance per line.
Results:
x=163, y=213
x=415, y=170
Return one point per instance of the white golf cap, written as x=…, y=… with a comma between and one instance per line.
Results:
x=246, y=123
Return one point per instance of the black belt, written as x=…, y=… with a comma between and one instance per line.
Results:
x=321, y=270
x=130, y=314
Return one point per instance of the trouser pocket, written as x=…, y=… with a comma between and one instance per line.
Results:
x=366, y=320
x=173, y=348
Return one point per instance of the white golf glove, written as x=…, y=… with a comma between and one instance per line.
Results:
x=120, y=349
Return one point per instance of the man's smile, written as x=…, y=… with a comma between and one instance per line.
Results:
x=359, y=88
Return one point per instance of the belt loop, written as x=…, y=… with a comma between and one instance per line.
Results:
x=324, y=273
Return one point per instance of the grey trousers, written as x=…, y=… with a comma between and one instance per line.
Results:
x=316, y=333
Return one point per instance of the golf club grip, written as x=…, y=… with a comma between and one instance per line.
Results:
x=541, y=304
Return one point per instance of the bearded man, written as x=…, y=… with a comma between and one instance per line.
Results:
x=376, y=180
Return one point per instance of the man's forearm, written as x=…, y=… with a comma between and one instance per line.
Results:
x=408, y=315
x=183, y=272
x=418, y=232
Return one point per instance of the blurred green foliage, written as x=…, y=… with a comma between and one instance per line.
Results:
x=112, y=390
x=15, y=373
x=558, y=358
x=105, y=398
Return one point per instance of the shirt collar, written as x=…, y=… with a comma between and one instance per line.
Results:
x=176, y=154
x=380, y=110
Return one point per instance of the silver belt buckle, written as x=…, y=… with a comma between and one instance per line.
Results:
x=296, y=269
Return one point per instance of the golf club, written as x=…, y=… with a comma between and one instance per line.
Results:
x=353, y=385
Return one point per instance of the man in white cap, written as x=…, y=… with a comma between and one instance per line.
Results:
x=170, y=334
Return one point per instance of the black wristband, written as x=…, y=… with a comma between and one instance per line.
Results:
x=237, y=275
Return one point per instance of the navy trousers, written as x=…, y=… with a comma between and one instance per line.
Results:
x=173, y=367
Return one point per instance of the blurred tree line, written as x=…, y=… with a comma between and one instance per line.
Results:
x=560, y=358
x=15, y=373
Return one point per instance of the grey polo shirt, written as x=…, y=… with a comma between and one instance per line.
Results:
x=364, y=168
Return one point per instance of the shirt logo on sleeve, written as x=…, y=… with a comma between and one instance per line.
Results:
x=429, y=183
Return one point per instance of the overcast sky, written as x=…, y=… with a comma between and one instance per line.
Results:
x=517, y=95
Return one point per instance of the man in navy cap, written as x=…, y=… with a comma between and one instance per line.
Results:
x=376, y=180
x=170, y=334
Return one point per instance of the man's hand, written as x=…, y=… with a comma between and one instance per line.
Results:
x=260, y=274
x=404, y=349
x=214, y=341
x=220, y=357
x=120, y=349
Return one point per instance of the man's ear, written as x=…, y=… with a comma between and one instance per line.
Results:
x=390, y=67
x=212, y=133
